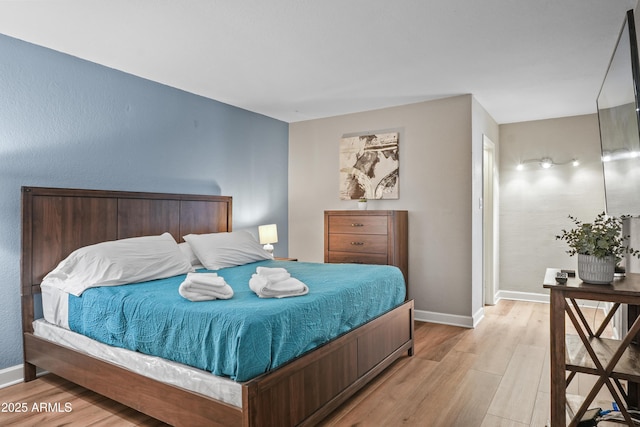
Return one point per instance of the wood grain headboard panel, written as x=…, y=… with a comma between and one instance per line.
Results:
x=57, y=221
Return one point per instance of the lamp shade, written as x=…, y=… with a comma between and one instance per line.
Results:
x=268, y=234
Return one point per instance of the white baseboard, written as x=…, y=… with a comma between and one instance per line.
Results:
x=15, y=375
x=11, y=375
x=445, y=319
x=472, y=321
x=478, y=316
x=544, y=298
x=522, y=296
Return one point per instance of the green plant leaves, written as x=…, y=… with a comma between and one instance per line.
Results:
x=600, y=238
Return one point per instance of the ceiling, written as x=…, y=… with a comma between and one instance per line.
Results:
x=296, y=60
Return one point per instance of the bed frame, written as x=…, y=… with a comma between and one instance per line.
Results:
x=55, y=222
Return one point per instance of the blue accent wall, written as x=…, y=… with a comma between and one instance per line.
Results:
x=66, y=122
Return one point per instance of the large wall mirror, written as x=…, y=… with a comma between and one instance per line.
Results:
x=618, y=116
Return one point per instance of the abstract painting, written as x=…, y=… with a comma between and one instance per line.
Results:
x=369, y=167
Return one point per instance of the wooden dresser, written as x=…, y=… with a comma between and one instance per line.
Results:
x=367, y=237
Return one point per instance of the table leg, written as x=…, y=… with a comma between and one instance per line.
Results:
x=557, y=348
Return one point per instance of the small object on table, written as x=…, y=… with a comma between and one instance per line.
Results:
x=570, y=273
x=561, y=278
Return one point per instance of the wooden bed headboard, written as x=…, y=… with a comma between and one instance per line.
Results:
x=57, y=221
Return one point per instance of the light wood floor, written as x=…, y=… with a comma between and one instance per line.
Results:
x=496, y=375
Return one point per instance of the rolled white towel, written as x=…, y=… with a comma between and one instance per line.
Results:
x=269, y=293
x=265, y=288
x=197, y=288
x=205, y=294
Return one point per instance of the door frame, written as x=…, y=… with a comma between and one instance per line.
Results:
x=489, y=222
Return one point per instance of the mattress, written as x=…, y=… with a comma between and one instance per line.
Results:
x=243, y=337
x=159, y=369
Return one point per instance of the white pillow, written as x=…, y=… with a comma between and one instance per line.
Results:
x=137, y=259
x=220, y=250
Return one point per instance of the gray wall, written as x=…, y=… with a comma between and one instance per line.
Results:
x=435, y=187
x=65, y=122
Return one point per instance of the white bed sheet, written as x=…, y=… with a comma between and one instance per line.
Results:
x=55, y=305
x=55, y=327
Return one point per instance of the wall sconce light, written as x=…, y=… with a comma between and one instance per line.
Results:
x=268, y=235
x=546, y=163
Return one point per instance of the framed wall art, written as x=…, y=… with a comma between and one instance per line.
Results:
x=369, y=167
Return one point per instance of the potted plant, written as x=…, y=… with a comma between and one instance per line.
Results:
x=599, y=245
x=362, y=203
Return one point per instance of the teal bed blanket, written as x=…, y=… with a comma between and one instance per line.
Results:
x=244, y=336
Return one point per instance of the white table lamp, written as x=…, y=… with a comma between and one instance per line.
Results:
x=268, y=235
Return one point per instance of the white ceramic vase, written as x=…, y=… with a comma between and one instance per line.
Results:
x=594, y=270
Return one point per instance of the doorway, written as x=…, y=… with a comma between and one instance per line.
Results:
x=489, y=222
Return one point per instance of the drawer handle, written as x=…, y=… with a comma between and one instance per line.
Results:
x=356, y=224
x=357, y=243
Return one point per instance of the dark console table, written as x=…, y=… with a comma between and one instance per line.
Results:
x=612, y=361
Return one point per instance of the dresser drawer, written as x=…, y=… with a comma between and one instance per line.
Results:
x=358, y=224
x=357, y=258
x=367, y=243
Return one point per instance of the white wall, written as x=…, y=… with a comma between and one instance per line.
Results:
x=435, y=187
x=535, y=203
